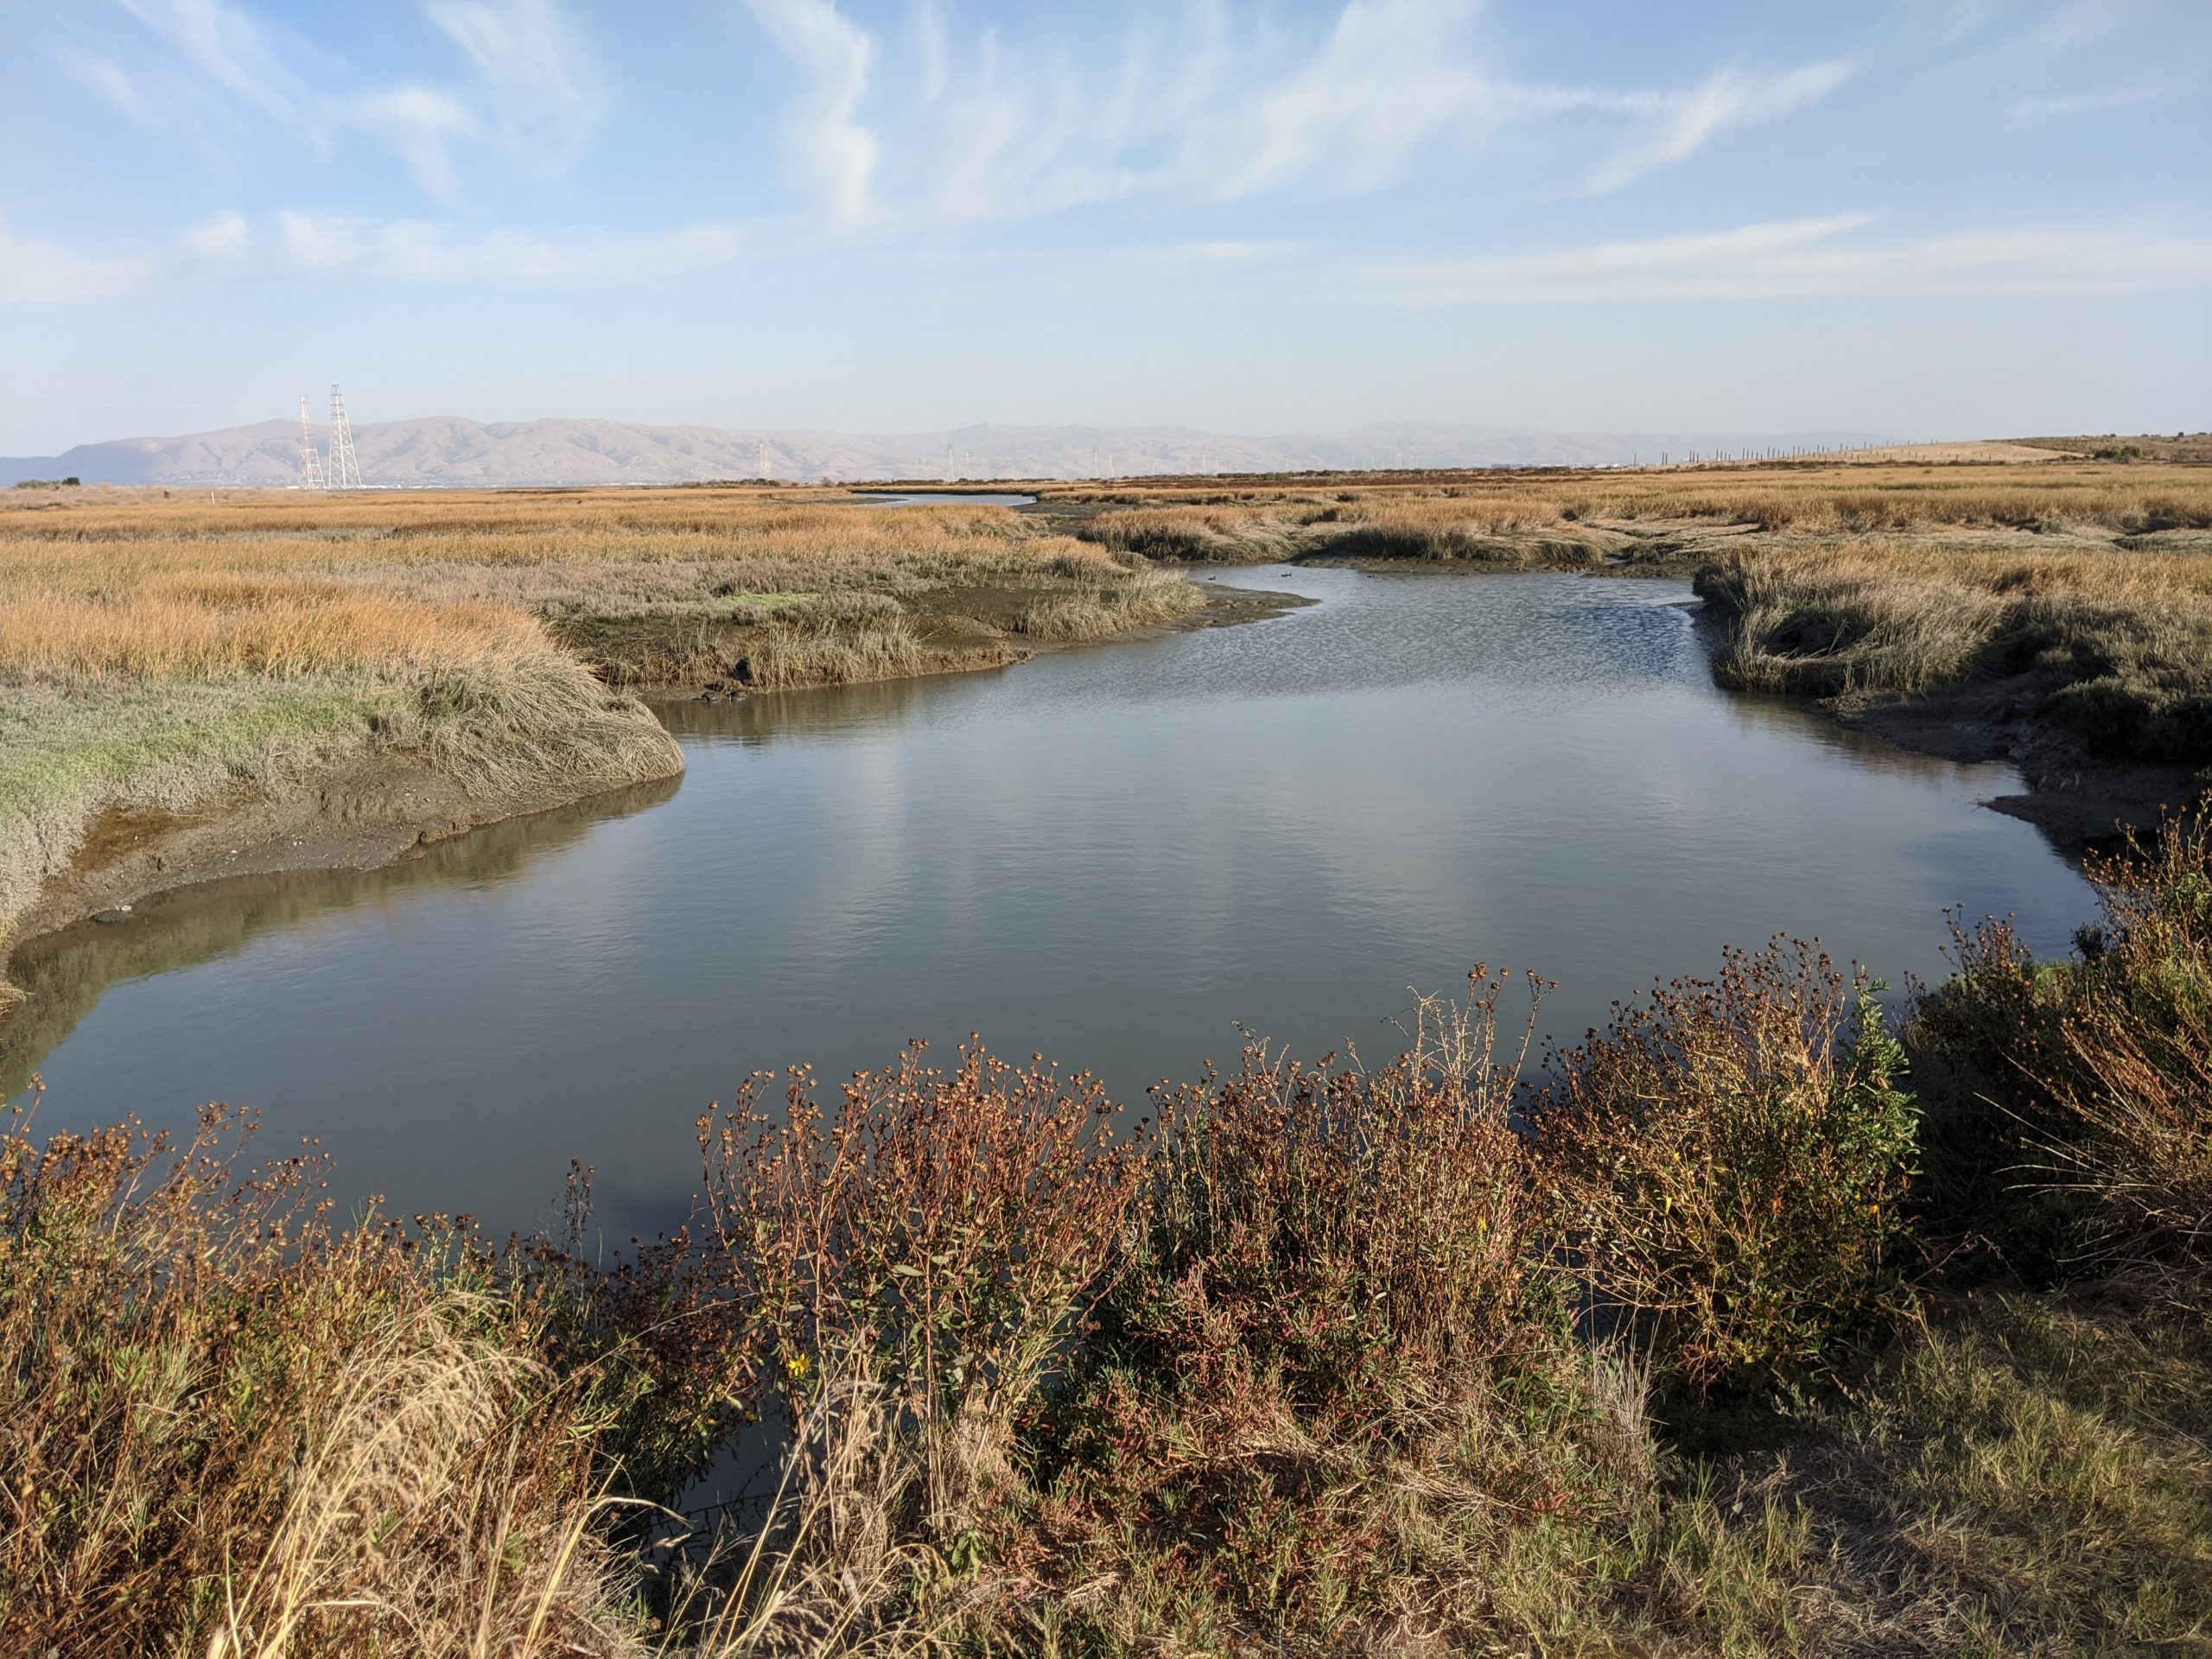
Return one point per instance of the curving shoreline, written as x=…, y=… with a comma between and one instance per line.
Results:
x=296, y=683
x=368, y=810
x=371, y=810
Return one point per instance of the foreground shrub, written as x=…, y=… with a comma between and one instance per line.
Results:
x=924, y=1257
x=1335, y=1390
x=1728, y=1158
x=2072, y=1102
x=2136, y=1133
x=231, y=1430
x=1986, y=1047
x=1298, y=1371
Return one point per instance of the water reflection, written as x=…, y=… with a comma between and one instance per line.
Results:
x=1110, y=856
x=939, y=498
x=764, y=716
x=65, y=973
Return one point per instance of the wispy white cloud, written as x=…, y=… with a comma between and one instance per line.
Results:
x=1730, y=98
x=1205, y=107
x=230, y=48
x=929, y=47
x=543, y=91
x=2071, y=106
x=835, y=153
x=542, y=99
x=416, y=124
x=34, y=271
x=362, y=250
x=2064, y=28
x=1391, y=75
x=109, y=80
x=321, y=248
x=1171, y=273
x=1815, y=258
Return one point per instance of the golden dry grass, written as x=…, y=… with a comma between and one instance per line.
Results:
x=2088, y=584
x=127, y=584
x=1643, y=520
x=2132, y=498
x=188, y=625
x=1995, y=450
x=2114, y=644
x=238, y=1433
x=161, y=650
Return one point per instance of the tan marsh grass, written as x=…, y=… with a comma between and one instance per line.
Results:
x=176, y=654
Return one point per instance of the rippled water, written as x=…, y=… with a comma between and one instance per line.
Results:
x=1111, y=855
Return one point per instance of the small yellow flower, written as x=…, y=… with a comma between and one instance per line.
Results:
x=797, y=1367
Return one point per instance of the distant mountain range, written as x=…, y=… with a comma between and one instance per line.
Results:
x=449, y=451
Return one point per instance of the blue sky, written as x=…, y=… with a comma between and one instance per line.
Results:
x=1945, y=217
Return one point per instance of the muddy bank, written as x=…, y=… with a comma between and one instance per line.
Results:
x=376, y=809
x=2081, y=802
x=372, y=812
x=63, y=972
x=959, y=627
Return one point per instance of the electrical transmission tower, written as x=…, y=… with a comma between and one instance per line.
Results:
x=344, y=471
x=310, y=463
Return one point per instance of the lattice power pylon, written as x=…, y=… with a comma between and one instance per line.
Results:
x=344, y=471
x=310, y=463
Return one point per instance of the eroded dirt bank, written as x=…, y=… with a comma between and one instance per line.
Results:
x=2081, y=803
x=372, y=812
x=379, y=809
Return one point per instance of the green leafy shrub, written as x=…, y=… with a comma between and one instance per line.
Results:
x=1729, y=1160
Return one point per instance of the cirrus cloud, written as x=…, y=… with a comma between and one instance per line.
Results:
x=1812, y=258
x=308, y=247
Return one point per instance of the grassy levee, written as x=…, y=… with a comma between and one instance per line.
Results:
x=2062, y=608
x=164, y=662
x=1676, y=516
x=1731, y=1330
x=2111, y=645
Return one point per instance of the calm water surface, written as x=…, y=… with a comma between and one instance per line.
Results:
x=939, y=498
x=1110, y=855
